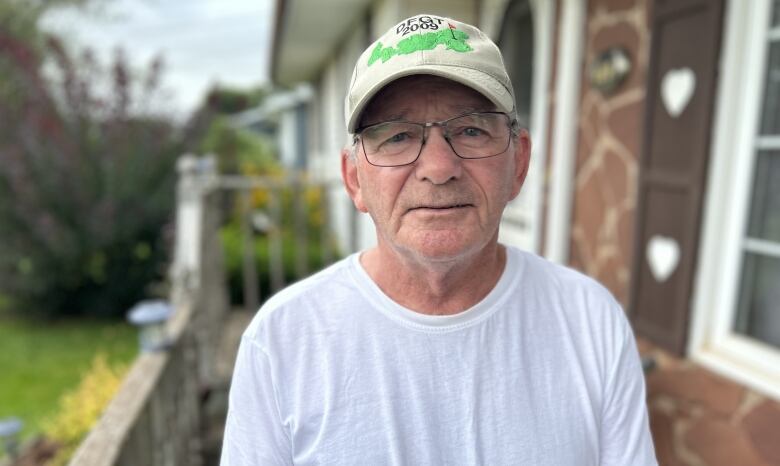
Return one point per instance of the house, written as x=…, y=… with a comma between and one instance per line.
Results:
x=282, y=115
x=656, y=158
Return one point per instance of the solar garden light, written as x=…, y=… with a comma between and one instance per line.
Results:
x=150, y=317
x=9, y=435
x=261, y=222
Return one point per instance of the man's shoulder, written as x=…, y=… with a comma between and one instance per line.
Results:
x=557, y=276
x=563, y=291
x=566, y=300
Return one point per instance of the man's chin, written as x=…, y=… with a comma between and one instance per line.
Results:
x=443, y=246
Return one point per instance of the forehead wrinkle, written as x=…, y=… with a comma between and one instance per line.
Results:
x=457, y=110
x=431, y=86
x=394, y=117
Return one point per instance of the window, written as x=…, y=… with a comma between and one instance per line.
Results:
x=758, y=305
x=525, y=40
x=517, y=47
x=736, y=327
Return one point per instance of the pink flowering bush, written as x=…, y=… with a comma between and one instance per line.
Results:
x=87, y=175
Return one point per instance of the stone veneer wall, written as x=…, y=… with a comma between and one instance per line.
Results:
x=609, y=144
x=697, y=418
x=701, y=419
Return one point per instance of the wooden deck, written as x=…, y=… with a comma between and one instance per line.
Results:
x=216, y=404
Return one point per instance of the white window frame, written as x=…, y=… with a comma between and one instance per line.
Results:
x=527, y=207
x=713, y=342
x=563, y=149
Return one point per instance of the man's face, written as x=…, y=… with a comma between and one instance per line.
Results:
x=440, y=207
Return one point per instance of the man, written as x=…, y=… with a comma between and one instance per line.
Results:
x=439, y=345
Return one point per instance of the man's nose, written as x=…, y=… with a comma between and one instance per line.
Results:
x=438, y=162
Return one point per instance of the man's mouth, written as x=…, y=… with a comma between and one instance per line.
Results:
x=441, y=207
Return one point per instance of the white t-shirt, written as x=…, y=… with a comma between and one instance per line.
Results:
x=543, y=371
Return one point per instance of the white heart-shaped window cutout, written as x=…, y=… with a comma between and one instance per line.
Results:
x=677, y=88
x=663, y=256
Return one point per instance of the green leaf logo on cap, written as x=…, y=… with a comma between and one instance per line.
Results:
x=452, y=39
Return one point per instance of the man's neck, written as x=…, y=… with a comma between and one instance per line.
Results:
x=435, y=287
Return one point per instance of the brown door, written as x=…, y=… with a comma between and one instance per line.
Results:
x=679, y=107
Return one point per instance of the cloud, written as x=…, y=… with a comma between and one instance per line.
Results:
x=202, y=41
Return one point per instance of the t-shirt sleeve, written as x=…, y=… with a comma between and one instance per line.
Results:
x=625, y=430
x=254, y=433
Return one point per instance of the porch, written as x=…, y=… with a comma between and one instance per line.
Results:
x=170, y=409
x=171, y=406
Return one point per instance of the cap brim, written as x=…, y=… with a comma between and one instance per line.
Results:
x=483, y=83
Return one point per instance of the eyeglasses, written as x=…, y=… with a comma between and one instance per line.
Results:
x=471, y=136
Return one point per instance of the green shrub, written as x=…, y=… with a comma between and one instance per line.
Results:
x=249, y=153
x=287, y=228
x=239, y=150
x=40, y=360
x=228, y=100
x=87, y=176
x=81, y=408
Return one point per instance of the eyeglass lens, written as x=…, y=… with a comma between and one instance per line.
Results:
x=472, y=136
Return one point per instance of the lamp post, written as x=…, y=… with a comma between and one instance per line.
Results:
x=150, y=317
x=9, y=435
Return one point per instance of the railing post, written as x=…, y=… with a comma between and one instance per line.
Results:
x=249, y=268
x=326, y=256
x=300, y=224
x=275, y=240
x=196, y=177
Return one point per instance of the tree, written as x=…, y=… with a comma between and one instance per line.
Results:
x=86, y=179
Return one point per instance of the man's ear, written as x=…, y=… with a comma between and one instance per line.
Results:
x=522, y=161
x=349, y=174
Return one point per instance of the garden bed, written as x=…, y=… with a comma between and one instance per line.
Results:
x=42, y=359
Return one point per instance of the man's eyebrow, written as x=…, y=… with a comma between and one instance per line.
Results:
x=457, y=110
x=462, y=109
x=394, y=117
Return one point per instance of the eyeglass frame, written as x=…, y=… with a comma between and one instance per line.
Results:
x=512, y=123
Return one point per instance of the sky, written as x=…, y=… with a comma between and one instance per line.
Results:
x=202, y=41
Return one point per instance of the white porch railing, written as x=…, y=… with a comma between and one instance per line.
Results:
x=158, y=417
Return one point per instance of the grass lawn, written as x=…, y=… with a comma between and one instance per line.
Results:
x=40, y=360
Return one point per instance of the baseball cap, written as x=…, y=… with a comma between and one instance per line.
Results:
x=435, y=45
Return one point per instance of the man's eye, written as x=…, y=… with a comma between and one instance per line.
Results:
x=399, y=137
x=470, y=132
x=473, y=132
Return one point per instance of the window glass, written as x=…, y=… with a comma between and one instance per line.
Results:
x=758, y=306
x=758, y=311
x=770, y=120
x=517, y=47
x=764, y=220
